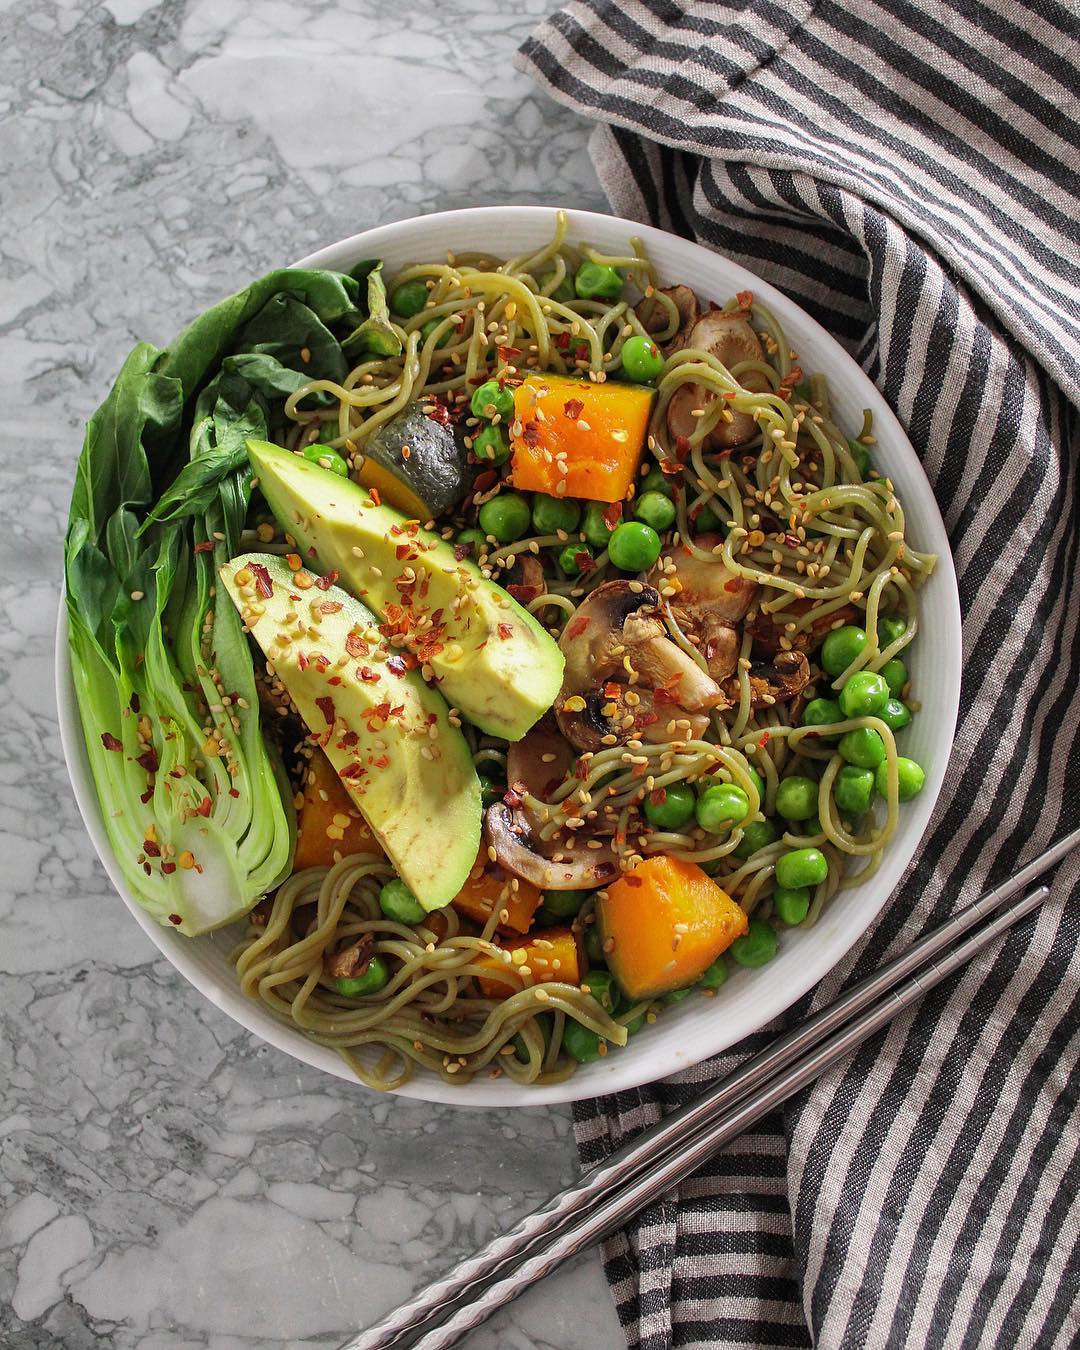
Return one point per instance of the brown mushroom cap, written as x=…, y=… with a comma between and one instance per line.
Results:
x=614, y=625
x=711, y=600
x=566, y=866
x=730, y=339
x=768, y=629
x=778, y=681
x=654, y=316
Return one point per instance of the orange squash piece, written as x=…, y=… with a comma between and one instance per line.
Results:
x=550, y=955
x=664, y=924
x=329, y=822
x=598, y=431
x=486, y=886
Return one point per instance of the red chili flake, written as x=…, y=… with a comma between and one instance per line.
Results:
x=109, y=741
x=763, y=740
x=530, y=433
x=505, y=630
x=462, y=551
x=382, y=762
x=146, y=796
x=645, y=719
x=573, y=408
x=348, y=740
x=396, y=712
x=203, y=808
x=311, y=553
x=320, y=662
x=505, y=353
x=326, y=706
x=352, y=771
x=631, y=880
x=792, y=540
x=133, y=703
x=437, y=411
x=585, y=562
x=355, y=645
x=330, y=606
x=302, y=661
x=148, y=761
x=745, y=298
x=512, y=797
x=671, y=468
x=381, y=710
x=151, y=849
x=174, y=918
x=577, y=625
x=324, y=583
x=234, y=792
x=263, y=584
x=581, y=769
x=334, y=679
x=658, y=796
x=612, y=515
x=562, y=341
x=207, y=546
x=396, y=665
x=523, y=594
x=732, y=585
x=682, y=448
x=168, y=868
x=373, y=493
x=404, y=551
x=612, y=690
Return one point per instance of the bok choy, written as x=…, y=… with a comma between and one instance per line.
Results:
x=195, y=800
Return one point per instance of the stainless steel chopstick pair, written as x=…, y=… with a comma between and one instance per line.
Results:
x=586, y=1212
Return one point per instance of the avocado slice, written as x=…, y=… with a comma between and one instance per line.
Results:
x=491, y=658
x=374, y=718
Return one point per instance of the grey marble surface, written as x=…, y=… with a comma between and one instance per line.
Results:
x=165, y=1182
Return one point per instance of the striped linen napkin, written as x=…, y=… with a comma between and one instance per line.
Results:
x=906, y=171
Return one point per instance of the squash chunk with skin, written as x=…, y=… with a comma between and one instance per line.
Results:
x=664, y=924
x=598, y=431
x=489, y=887
x=330, y=826
x=550, y=956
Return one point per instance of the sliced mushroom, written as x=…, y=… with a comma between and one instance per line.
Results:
x=524, y=579
x=711, y=600
x=564, y=866
x=731, y=340
x=768, y=629
x=616, y=632
x=778, y=681
x=654, y=316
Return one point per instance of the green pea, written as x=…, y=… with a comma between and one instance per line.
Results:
x=492, y=444
x=863, y=748
x=656, y=480
x=791, y=904
x=569, y=558
x=796, y=798
x=801, y=867
x=563, y=292
x=675, y=996
x=565, y=904
x=594, y=947
x=863, y=694
x=602, y=986
x=889, y=628
x=861, y=456
x=895, y=715
x=428, y=328
x=853, y=790
x=597, y=281
x=841, y=647
x=506, y=516
x=707, y=522
x=757, y=946
x=670, y=808
x=327, y=458
x=490, y=399
x=721, y=806
x=376, y=977
x=822, y=712
x=910, y=775
x=757, y=781
x=580, y=1043
x=655, y=510
x=895, y=675
x=409, y=298
x=397, y=902
x=475, y=541
x=551, y=514
x=593, y=525
x=634, y=546
x=757, y=835
x=715, y=975
x=641, y=359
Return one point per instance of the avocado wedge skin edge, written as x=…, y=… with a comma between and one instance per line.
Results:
x=419, y=792
x=491, y=659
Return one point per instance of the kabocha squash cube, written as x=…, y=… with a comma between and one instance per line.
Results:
x=489, y=886
x=664, y=924
x=550, y=956
x=597, y=432
x=330, y=826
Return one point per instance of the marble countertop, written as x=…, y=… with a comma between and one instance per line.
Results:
x=167, y=1183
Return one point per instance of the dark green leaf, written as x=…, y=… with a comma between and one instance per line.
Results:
x=376, y=334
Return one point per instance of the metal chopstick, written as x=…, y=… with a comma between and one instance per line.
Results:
x=517, y=1275
x=536, y=1230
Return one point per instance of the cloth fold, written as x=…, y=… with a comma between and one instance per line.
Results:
x=907, y=171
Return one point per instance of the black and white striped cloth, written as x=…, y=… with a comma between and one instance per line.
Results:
x=906, y=170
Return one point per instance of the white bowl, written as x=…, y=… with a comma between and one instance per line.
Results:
x=696, y=1028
